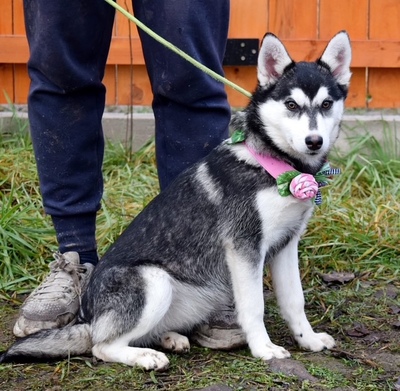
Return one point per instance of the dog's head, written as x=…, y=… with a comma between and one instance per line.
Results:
x=299, y=106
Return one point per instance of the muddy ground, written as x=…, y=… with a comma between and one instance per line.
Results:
x=363, y=316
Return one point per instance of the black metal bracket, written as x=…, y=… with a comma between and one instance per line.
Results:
x=241, y=51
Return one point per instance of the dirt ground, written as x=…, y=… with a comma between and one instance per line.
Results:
x=363, y=317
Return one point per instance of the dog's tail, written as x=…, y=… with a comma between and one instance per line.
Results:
x=48, y=345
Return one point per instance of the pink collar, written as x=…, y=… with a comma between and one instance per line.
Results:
x=273, y=166
x=292, y=182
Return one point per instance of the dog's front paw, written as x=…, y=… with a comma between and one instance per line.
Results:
x=150, y=360
x=175, y=342
x=269, y=351
x=315, y=341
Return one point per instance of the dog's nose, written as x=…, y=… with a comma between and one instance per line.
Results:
x=314, y=142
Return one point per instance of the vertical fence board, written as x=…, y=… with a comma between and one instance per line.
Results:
x=21, y=78
x=18, y=21
x=6, y=70
x=110, y=82
x=352, y=16
x=384, y=19
x=349, y=15
x=245, y=22
x=123, y=26
x=357, y=95
x=248, y=21
x=293, y=19
x=138, y=93
x=245, y=77
x=6, y=20
x=128, y=93
x=6, y=83
x=21, y=84
x=384, y=87
x=384, y=84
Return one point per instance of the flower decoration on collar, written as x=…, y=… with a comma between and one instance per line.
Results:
x=238, y=136
x=305, y=186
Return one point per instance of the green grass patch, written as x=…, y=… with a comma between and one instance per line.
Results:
x=355, y=229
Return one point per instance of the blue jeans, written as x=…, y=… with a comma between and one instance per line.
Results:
x=69, y=43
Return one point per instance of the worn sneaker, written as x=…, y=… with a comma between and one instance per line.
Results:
x=55, y=302
x=222, y=331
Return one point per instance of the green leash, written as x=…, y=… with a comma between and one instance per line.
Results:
x=178, y=51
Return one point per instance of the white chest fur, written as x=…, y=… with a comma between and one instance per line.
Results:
x=279, y=215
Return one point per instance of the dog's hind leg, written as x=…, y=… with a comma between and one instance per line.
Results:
x=175, y=342
x=148, y=359
x=113, y=346
x=290, y=297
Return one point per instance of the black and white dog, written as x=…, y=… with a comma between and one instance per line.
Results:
x=206, y=239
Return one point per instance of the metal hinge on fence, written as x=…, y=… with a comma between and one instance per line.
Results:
x=241, y=51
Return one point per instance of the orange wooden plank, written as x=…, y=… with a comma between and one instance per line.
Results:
x=248, y=21
x=293, y=18
x=383, y=88
x=18, y=19
x=384, y=84
x=245, y=77
x=136, y=93
x=349, y=15
x=123, y=26
x=358, y=91
x=13, y=49
x=384, y=19
x=6, y=20
x=110, y=82
x=365, y=53
x=120, y=53
x=6, y=70
x=22, y=82
x=6, y=83
x=376, y=53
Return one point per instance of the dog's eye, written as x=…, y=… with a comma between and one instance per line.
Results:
x=326, y=104
x=291, y=105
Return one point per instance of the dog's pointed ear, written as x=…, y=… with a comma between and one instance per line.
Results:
x=273, y=58
x=337, y=56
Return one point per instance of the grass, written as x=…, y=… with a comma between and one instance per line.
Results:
x=27, y=238
x=357, y=227
x=355, y=230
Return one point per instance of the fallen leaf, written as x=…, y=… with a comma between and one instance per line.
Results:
x=338, y=277
x=396, y=325
x=394, y=309
x=358, y=331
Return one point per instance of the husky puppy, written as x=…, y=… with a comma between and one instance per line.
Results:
x=206, y=239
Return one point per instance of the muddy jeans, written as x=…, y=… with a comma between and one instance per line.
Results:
x=69, y=43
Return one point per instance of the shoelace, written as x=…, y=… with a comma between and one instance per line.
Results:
x=61, y=264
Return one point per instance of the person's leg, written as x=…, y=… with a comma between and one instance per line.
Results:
x=191, y=110
x=69, y=44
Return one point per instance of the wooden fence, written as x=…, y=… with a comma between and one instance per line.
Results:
x=305, y=26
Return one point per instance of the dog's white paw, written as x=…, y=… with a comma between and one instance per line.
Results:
x=316, y=341
x=175, y=342
x=269, y=351
x=150, y=359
